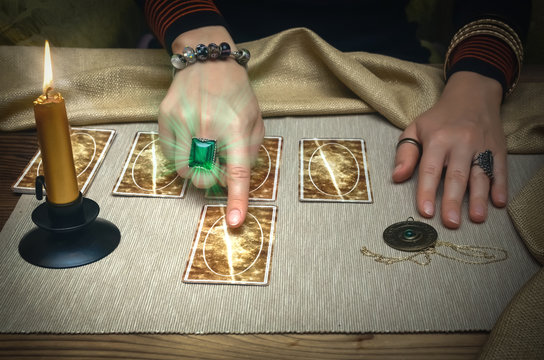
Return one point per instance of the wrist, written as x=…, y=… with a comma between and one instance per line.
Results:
x=474, y=88
x=203, y=35
x=206, y=48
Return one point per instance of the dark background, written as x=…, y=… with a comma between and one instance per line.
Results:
x=121, y=24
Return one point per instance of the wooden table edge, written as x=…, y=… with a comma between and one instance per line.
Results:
x=261, y=346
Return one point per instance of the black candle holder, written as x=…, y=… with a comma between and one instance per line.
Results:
x=68, y=235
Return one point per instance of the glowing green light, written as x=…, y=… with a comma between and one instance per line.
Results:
x=193, y=113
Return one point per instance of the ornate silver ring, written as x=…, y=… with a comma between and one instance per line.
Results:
x=485, y=161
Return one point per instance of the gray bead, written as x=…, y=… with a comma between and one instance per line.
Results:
x=242, y=56
x=178, y=61
x=214, y=51
x=189, y=54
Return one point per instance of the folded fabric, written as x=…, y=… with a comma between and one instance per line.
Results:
x=519, y=332
x=294, y=72
x=525, y=209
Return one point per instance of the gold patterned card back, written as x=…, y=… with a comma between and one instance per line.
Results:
x=147, y=172
x=334, y=170
x=89, y=147
x=222, y=255
x=264, y=179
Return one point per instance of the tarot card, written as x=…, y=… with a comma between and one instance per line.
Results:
x=222, y=255
x=147, y=172
x=264, y=179
x=334, y=170
x=89, y=147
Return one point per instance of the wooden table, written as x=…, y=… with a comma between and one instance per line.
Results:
x=17, y=148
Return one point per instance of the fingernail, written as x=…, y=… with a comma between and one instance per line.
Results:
x=479, y=210
x=397, y=168
x=453, y=216
x=428, y=208
x=234, y=217
x=501, y=198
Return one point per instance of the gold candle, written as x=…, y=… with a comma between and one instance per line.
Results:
x=54, y=140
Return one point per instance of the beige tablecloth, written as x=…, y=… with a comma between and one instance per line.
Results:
x=320, y=282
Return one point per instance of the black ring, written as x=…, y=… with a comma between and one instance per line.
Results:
x=485, y=161
x=411, y=141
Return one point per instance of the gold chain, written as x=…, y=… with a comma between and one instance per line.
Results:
x=478, y=252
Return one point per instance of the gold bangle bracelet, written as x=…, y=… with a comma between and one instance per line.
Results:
x=512, y=42
x=484, y=32
x=454, y=43
x=494, y=28
x=504, y=26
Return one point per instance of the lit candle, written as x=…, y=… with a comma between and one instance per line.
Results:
x=54, y=140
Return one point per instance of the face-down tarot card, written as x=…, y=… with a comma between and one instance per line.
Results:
x=334, y=170
x=264, y=179
x=147, y=172
x=222, y=255
x=89, y=147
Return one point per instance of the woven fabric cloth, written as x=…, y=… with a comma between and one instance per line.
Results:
x=293, y=73
x=319, y=281
x=522, y=210
x=519, y=333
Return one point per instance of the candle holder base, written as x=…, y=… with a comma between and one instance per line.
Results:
x=68, y=235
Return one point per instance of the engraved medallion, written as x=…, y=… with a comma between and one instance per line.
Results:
x=410, y=235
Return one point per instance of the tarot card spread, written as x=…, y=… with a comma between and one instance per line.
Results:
x=147, y=172
x=264, y=174
x=222, y=255
x=89, y=147
x=334, y=170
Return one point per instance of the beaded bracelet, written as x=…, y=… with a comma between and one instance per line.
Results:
x=212, y=52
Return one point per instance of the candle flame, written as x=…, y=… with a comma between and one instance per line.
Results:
x=47, y=70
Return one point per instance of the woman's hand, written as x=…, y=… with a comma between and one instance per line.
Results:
x=213, y=100
x=463, y=123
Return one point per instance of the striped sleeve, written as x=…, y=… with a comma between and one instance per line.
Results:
x=169, y=18
x=485, y=55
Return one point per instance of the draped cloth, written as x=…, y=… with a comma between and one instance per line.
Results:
x=519, y=332
x=292, y=73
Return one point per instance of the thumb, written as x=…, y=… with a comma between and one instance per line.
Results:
x=407, y=156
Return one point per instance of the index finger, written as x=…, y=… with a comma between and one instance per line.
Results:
x=238, y=174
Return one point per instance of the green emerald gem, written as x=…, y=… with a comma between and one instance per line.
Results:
x=202, y=153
